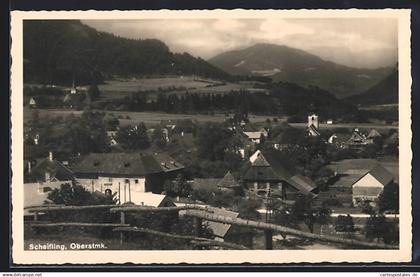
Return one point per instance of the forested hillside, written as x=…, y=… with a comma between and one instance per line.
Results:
x=384, y=92
x=58, y=51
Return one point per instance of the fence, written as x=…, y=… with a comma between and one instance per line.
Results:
x=198, y=213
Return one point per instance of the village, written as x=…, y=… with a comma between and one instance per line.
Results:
x=327, y=181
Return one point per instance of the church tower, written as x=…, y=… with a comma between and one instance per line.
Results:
x=313, y=120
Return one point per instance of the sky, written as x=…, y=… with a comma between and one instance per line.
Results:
x=361, y=42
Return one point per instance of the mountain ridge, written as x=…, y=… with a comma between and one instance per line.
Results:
x=287, y=64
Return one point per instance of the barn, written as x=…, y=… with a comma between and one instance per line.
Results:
x=370, y=186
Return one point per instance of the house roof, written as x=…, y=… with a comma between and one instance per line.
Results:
x=220, y=229
x=302, y=183
x=277, y=166
x=381, y=174
x=56, y=170
x=373, y=133
x=253, y=135
x=150, y=199
x=260, y=170
x=126, y=164
x=228, y=181
x=353, y=166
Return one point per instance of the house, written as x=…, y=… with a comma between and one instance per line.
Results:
x=125, y=173
x=312, y=128
x=372, y=136
x=349, y=172
x=255, y=137
x=47, y=170
x=370, y=186
x=357, y=139
x=32, y=103
x=259, y=178
x=41, y=177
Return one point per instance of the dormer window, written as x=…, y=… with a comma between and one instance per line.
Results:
x=126, y=164
x=96, y=163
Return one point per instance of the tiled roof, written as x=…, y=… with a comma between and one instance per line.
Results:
x=56, y=170
x=381, y=174
x=126, y=164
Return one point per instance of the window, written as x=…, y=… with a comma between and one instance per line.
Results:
x=136, y=181
x=110, y=180
x=127, y=181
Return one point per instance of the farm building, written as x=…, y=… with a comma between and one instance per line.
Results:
x=349, y=172
x=370, y=186
x=126, y=173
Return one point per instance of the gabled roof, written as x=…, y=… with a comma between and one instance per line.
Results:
x=126, y=164
x=356, y=136
x=302, y=183
x=260, y=161
x=253, y=135
x=228, y=181
x=56, y=170
x=220, y=229
x=353, y=166
x=150, y=199
x=381, y=174
x=260, y=170
x=373, y=133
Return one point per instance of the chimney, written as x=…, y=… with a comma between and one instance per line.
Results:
x=29, y=167
x=50, y=156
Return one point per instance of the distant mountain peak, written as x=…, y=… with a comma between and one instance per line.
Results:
x=287, y=64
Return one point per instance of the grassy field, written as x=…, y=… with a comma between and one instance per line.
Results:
x=149, y=118
x=123, y=87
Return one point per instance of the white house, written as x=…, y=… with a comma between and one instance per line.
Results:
x=125, y=174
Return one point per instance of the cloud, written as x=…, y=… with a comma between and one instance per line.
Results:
x=362, y=42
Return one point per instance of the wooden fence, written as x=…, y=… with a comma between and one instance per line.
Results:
x=199, y=213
